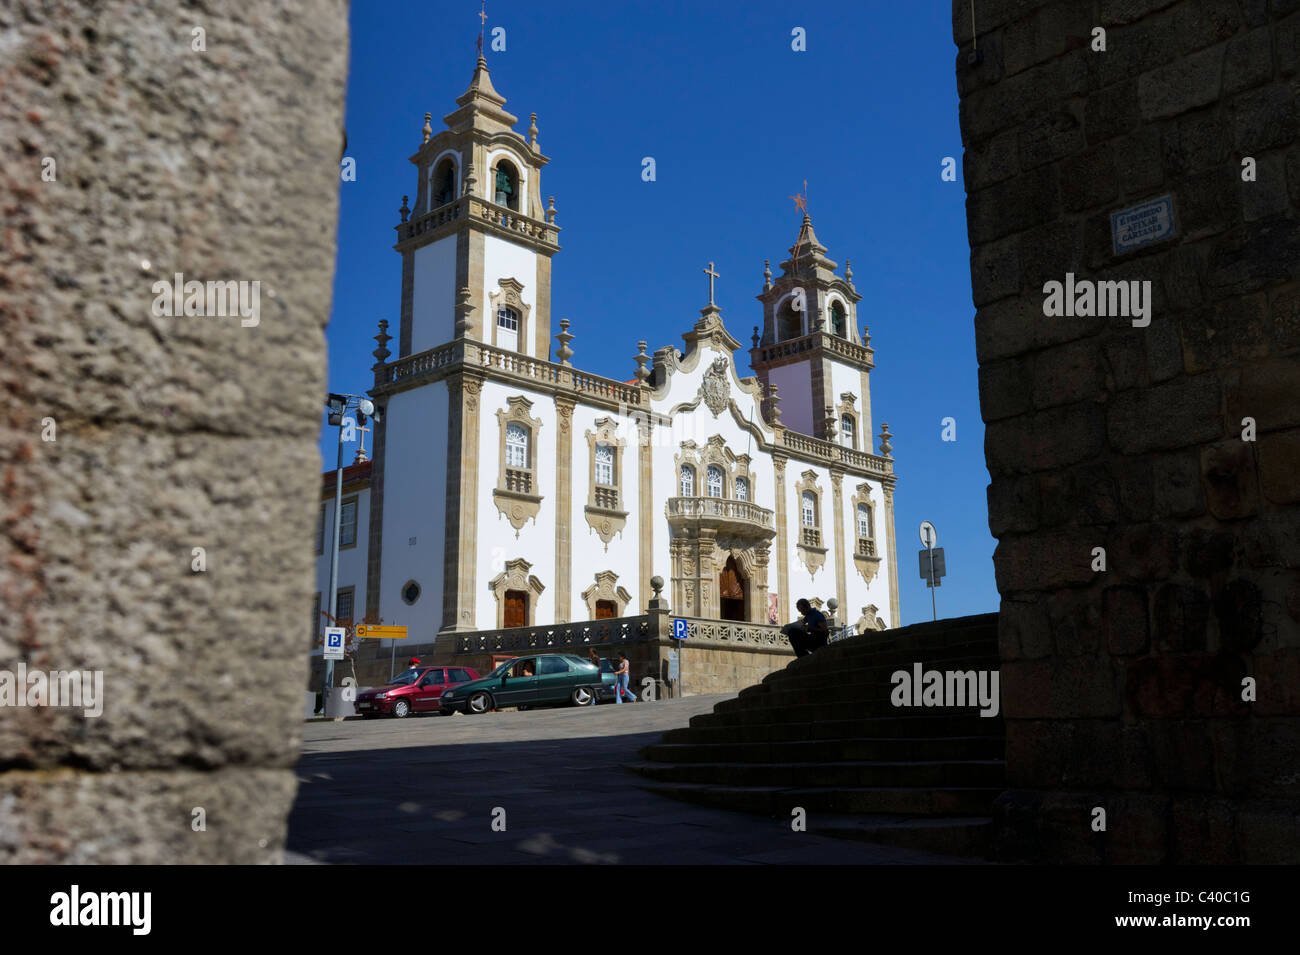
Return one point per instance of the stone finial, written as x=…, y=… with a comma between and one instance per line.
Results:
x=564, y=352
x=832, y=605
x=428, y=130
x=470, y=181
x=464, y=312
x=866, y=336
x=829, y=423
x=657, y=585
x=848, y=272
x=550, y=211
x=767, y=275
x=773, y=405
x=820, y=322
x=383, y=338
x=642, y=359
x=532, y=132
x=406, y=212
x=885, y=446
x=755, y=336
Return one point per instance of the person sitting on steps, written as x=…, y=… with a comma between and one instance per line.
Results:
x=809, y=634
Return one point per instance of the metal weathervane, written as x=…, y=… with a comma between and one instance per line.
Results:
x=801, y=203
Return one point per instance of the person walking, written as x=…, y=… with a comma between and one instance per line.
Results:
x=812, y=633
x=621, y=678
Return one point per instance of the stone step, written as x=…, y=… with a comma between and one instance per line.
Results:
x=816, y=712
x=835, y=775
x=815, y=751
x=953, y=835
x=872, y=642
x=861, y=727
x=780, y=800
x=874, y=680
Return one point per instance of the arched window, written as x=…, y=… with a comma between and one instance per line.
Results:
x=688, y=481
x=516, y=446
x=444, y=184
x=714, y=475
x=848, y=431
x=809, y=509
x=838, y=325
x=506, y=185
x=742, y=489
x=789, y=323
x=865, y=528
x=605, y=465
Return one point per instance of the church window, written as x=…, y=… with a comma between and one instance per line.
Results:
x=809, y=509
x=506, y=186
x=507, y=328
x=838, y=325
x=866, y=531
x=688, y=481
x=848, y=431
x=742, y=489
x=411, y=592
x=714, y=475
x=604, y=465
x=348, y=524
x=788, y=322
x=516, y=446
x=344, y=606
x=444, y=184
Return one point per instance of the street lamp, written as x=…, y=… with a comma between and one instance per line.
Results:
x=337, y=406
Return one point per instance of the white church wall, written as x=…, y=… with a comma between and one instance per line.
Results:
x=794, y=388
x=415, y=495
x=802, y=582
x=505, y=260
x=589, y=554
x=433, y=295
x=845, y=379
x=497, y=540
x=352, y=560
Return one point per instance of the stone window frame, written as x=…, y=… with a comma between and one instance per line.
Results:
x=712, y=471
x=810, y=546
x=509, y=294
x=742, y=467
x=516, y=576
x=868, y=565
x=785, y=303
x=604, y=516
x=716, y=453
x=604, y=589
x=688, y=457
x=830, y=317
x=517, y=506
x=848, y=408
x=446, y=156
x=515, y=167
x=351, y=591
x=355, y=501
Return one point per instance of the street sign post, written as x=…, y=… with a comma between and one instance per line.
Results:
x=929, y=537
x=680, y=631
x=334, y=638
x=376, y=631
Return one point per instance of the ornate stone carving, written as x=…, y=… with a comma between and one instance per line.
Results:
x=604, y=511
x=516, y=494
x=515, y=577
x=810, y=546
x=866, y=552
x=604, y=589
x=715, y=390
x=510, y=295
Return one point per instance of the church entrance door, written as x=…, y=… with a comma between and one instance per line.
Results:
x=731, y=592
x=516, y=609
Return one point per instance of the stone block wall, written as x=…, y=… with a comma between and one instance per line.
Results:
x=1123, y=688
x=169, y=433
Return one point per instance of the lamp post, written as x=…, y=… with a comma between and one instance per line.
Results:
x=337, y=406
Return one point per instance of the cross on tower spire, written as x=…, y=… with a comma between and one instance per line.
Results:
x=712, y=275
x=482, y=22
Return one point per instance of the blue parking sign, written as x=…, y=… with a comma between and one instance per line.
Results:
x=679, y=629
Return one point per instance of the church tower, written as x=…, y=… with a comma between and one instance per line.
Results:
x=810, y=348
x=476, y=246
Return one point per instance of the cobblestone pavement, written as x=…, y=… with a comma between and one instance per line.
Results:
x=423, y=791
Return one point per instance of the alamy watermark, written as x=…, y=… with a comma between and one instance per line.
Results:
x=946, y=688
x=209, y=299
x=83, y=689
x=1084, y=298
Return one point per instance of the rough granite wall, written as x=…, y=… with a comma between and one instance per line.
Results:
x=1123, y=689
x=170, y=433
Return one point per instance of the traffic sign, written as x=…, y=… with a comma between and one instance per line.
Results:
x=334, y=638
x=374, y=630
x=929, y=536
x=679, y=629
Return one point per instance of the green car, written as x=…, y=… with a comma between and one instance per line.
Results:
x=524, y=681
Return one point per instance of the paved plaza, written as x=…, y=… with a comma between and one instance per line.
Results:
x=424, y=790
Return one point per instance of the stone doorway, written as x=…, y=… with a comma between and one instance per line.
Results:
x=516, y=609
x=731, y=592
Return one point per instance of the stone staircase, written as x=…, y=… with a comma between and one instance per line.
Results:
x=822, y=734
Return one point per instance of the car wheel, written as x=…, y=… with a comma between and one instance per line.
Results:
x=581, y=696
x=480, y=703
x=400, y=709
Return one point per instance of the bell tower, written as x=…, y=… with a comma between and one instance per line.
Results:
x=810, y=347
x=476, y=245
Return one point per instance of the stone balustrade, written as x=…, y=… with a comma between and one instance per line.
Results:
x=558, y=637
x=725, y=509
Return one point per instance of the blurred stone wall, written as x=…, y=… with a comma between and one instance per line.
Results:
x=129, y=438
x=1122, y=688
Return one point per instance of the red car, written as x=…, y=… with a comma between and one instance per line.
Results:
x=416, y=690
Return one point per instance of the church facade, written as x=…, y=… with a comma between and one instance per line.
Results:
x=508, y=488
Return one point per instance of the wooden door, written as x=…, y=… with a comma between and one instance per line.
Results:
x=516, y=610
x=605, y=609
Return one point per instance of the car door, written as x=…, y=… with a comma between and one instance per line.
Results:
x=555, y=678
x=429, y=690
x=516, y=685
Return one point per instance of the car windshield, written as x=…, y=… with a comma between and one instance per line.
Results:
x=406, y=677
x=501, y=668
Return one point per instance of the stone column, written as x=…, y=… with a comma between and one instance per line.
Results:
x=891, y=553
x=841, y=554
x=563, y=509
x=782, y=543
x=460, y=550
x=645, y=502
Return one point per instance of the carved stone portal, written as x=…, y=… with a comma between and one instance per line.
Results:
x=516, y=577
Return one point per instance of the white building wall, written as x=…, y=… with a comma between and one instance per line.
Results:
x=847, y=379
x=352, y=560
x=794, y=388
x=505, y=260
x=433, y=295
x=589, y=554
x=415, y=495
x=497, y=539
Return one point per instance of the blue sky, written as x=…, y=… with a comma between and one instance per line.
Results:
x=736, y=121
